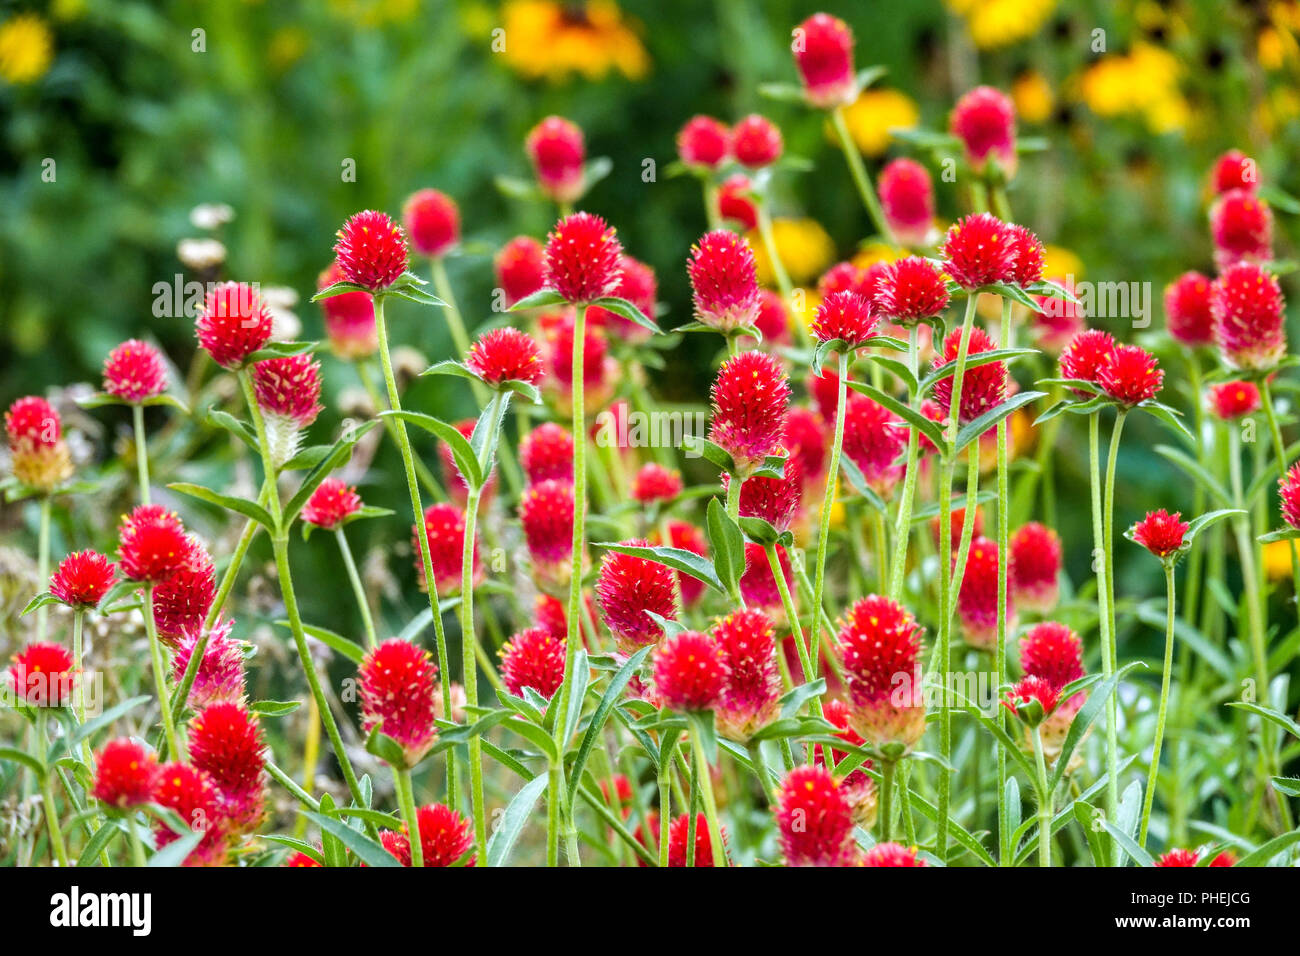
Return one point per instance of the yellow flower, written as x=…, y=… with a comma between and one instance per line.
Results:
x=548, y=40
x=995, y=23
x=874, y=114
x=1033, y=97
x=803, y=245
x=872, y=252
x=1143, y=82
x=26, y=48
x=803, y=306
x=1277, y=560
x=1060, y=262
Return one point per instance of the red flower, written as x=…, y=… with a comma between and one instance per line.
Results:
x=1229, y=401
x=724, y=283
x=182, y=600
x=1189, y=317
x=679, y=834
x=226, y=742
x=982, y=387
x=371, y=250
x=444, y=528
x=907, y=199
x=756, y=141
x=349, y=318
x=43, y=674
x=1241, y=225
x=1249, y=318
x=751, y=698
x=82, y=579
x=736, y=202
x=654, y=483
x=289, y=388
x=1160, y=532
x=445, y=837
x=546, y=512
x=397, y=695
x=846, y=316
x=979, y=250
x=233, y=324
x=758, y=584
x=32, y=424
x=814, y=821
x=958, y=525
x=874, y=439
x=1030, y=256
x=691, y=672
x=1235, y=170
x=126, y=773
x=1052, y=652
x=626, y=588
x=432, y=221
x=582, y=257
x=506, y=354
x=220, y=676
x=558, y=152
x=775, y=500
x=153, y=544
x=1179, y=858
x=1132, y=375
x=892, y=854
x=547, y=452
x=299, y=858
x=846, y=277
x=977, y=601
x=773, y=319
x=823, y=52
x=684, y=535
x=1087, y=354
x=859, y=790
x=135, y=371
x=750, y=397
x=704, y=143
x=332, y=503
x=520, y=268
x=193, y=795
x=1035, y=552
x=911, y=289
x=805, y=440
x=533, y=658
x=1030, y=689
x=1289, y=494
x=880, y=644
x=985, y=121
x=636, y=284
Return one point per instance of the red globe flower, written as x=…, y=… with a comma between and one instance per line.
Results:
x=520, y=268
x=444, y=528
x=43, y=674
x=724, y=282
x=331, y=504
x=39, y=454
x=911, y=289
x=626, y=588
x=1289, y=494
x=135, y=371
x=775, y=500
x=1131, y=376
x=814, y=822
x=1235, y=170
x=846, y=277
x=220, y=675
x=1249, y=318
x=1179, y=858
x=654, y=483
x=985, y=121
x=758, y=585
x=874, y=440
x=1030, y=256
x=505, y=354
x=736, y=202
x=582, y=256
x=349, y=318
x=1189, y=317
x=1035, y=566
x=193, y=795
x=227, y=743
x=756, y=141
x=1030, y=690
x=751, y=698
x=82, y=579
x=153, y=544
x=233, y=324
x=846, y=316
x=980, y=250
x=879, y=644
x=300, y=859
x=1229, y=401
x=558, y=152
x=371, y=250
x=1241, y=225
x=445, y=837
x=126, y=773
x=546, y=512
x=679, y=835
x=396, y=681
x=823, y=53
x=690, y=672
x=1087, y=354
x=704, y=142
x=288, y=393
x=1160, y=532
x=432, y=221
x=977, y=600
x=1052, y=652
x=533, y=658
x=547, y=452
x=773, y=319
x=750, y=396
x=982, y=387
x=907, y=199
x=892, y=854
x=182, y=600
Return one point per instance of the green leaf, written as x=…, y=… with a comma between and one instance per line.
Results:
x=275, y=708
x=336, y=642
x=698, y=446
x=1130, y=846
x=611, y=696
x=782, y=92
x=249, y=509
x=973, y=430
x=679, y=559
x=1283, y=534
x=1288, y=786
x=386, y=749
x=41, y=600
x=930, y=429
x=240, y=429
x=340, y=452
x=1171, y=417
x=538, y=300
x=1272, y=848
x=1271, y=715
x=793, y=700
x=338, y=288
x=897, y=368
x=515, y=188
x=461, y=451
x=859, y=482
x=27, y=760
x=625, y=309
x=273, y=350
x=174, y=853
x=365, y=849
x=974, y=360
x=512, y=823
x=577, y=695
x=727, y=545
x=1011, y=291
x=1085, y=813
x=99, y=842
x=1196, y=471
x=1084, y=719
x=166, y=399
x=759, y=530
x=106, y=719
x=1074, y=407
x=451, y=367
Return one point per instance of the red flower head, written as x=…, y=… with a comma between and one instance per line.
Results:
x=758, y=584
x=582, y=258
x=751, y=698
x=349, y=318
x=126, y=773
x=82, y=579
x=288, y=393
x=654, y=483
x=506, y=354
x=775, y=500
x=684, y=535
x=558, y=153
x=371, y=250
x=911, y=289
x=549, y=614
x=691, y=672
x=1131, y=376
x=846, y=277
x=1087, y=354
x=958, y=521
x=445, y=837
x=226, y=742
x=533, y=658
x=724, y=283
x=979, y=250
x=1052, y=652
x=1249, y=318
x=846, y=316
x=332, y=503
x=1179, y=858
x=636, y=284
x=546, y=512
x=547, y=452
x=805, y=440
x=1028, y=690
x=220, y=677
x=985, y=121
x=814, y=820
x=1229, y=401
x=1288, y=489
x=880, y=645
x=135, y=371
x=823, y=52
x=193, y=795
x=43, y=674
x=1030, y=256
x=892, y=854
x=977, y=602
x=1241, y=225
x=679, y=834
x=704, y=143
x=40, y=456
x=233, y=324
x=153, y=544
x=756, y=141
x=750, y=397
x=1235, y=170
x=432, y=221
x=1035, y=551
x=907, y=198
x=773, y=319
x=874, y=440
x=736, y=202
x=1160, y=532
x=182, y=600
x=858, y=788
x=397, y=695
x=982, y=387
x=520, y=268
x=628, y=587
x=444, y=528
x=1189, y=317
x=300, y=859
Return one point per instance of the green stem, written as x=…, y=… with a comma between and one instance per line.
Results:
x=710, y=804
x=47, y=801
x=554, y=784
x=469, y=670
x=1004, y=547
x=1103, y=609
x=160, y=674
x=137, y=848
x=1108, y=557
x=860, y=178
x=887, y=799
x=824, y=524
x=711, y=213
x=141, y=453
x=1165, y=674
x=363, y=602
x=665, y=803
x=759, y=764
x=43, y=566
x=903, y=526
x=778, y=267
x=1044, y=803
x=406, y=797
x=422, y=471
x=792, y=615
